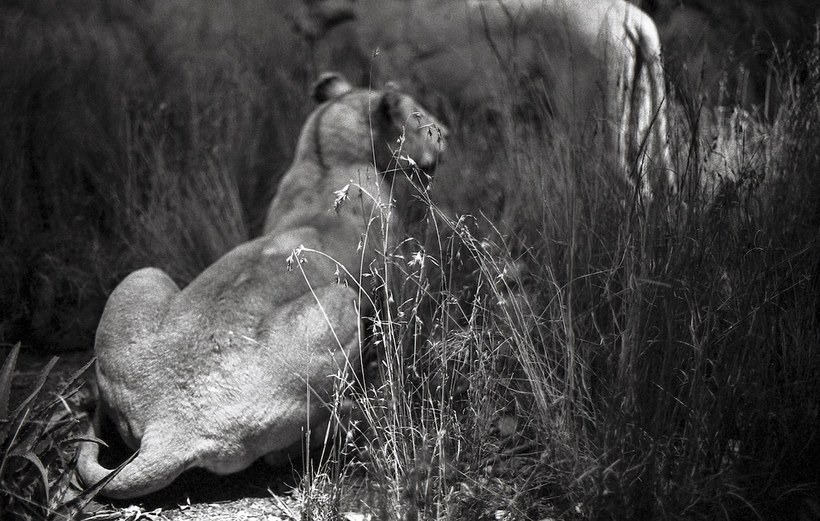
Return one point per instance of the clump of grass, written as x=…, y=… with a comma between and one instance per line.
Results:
x=35, y=442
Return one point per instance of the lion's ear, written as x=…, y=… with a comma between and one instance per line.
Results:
x=330, y=85
x=390, y=106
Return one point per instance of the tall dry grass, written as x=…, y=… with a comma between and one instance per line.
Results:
x=135, y=134
x=566, y=353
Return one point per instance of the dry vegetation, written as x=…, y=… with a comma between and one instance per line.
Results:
x=549, y=348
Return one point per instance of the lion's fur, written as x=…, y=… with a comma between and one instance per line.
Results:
x=597, y=61
x=228, y=369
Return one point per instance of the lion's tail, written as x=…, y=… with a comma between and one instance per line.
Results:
x=148, y=471
x=660, y=103
x=648, y=105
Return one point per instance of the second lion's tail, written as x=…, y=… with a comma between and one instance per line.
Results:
x=647, y=107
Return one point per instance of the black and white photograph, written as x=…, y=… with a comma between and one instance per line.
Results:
x=409, y=260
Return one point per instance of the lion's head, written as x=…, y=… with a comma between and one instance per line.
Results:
x=350, y=130
x=358, y=125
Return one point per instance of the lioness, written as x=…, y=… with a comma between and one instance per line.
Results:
x=598, y=63
x=232, y=367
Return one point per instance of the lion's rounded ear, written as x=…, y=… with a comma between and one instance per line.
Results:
x=330, y=85
x=390, y=105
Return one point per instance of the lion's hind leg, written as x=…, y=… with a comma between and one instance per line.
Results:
x=125, y=365
x=132, y=313
x=129, y=357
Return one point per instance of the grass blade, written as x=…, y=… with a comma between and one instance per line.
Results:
x=5, y=382
x=41, y=475
x=38, y=387
x=76, y=505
